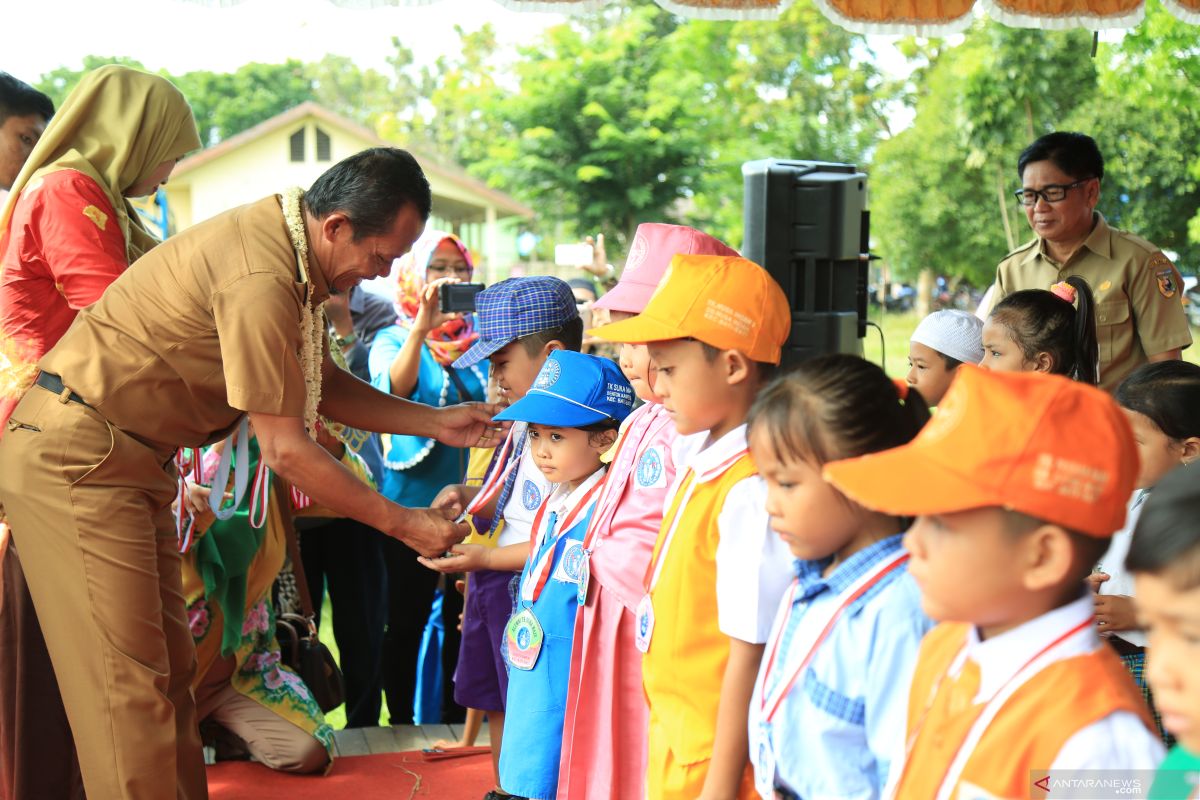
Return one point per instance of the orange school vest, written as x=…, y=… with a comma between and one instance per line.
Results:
x=683, y=669
x=1026, y=735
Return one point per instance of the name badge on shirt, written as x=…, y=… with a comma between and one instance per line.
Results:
x=763, y=753
x=645, y=624
x=572, y=564
x=651, y=472
x=523, y=635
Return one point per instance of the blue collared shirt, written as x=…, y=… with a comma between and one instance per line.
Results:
x=844, y=719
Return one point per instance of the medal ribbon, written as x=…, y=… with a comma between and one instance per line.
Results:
x=541, y=555
x=183, y=465
x=968, y=743
x=774, y=694
x=495, y=480
x=240, y=475
x=594, y=527
x=259, y=495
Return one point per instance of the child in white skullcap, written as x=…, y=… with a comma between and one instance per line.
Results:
x=940, y=343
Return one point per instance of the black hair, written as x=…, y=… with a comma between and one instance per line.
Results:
x=1073, y=153
x=1042, y=322
x=569, y=335
x=837, y=406
x=19, y=99
x=1166, y=539
x=371, y=187
x=585, y=284
x=951, y=361
x=766, y=370
x=1088, y=549
x=1168, y=392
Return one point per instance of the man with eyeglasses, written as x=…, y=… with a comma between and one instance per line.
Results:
x=1138, y=291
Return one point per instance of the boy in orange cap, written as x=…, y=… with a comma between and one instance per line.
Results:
x=715, y=329
x=1017, y=483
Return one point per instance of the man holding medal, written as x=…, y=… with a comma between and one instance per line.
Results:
x=222, y=321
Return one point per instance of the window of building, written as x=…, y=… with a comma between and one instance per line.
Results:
x=297, y=145
x=324, y=150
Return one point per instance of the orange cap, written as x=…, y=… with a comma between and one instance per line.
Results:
x=728, y=302
x=1052, y=448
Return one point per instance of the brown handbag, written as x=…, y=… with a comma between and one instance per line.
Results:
x=299, y=646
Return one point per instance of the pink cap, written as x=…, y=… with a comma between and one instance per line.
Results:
x=654, y=245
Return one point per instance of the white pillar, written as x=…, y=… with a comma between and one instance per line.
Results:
x=491, y=244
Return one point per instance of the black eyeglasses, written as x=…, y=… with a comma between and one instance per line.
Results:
x=1054, y=193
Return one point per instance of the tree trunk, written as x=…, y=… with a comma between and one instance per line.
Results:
x=1002, y=197
x=924, y=292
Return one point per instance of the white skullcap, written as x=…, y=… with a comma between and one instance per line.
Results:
x=957, y=334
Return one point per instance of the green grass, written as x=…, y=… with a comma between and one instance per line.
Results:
x=898, y=328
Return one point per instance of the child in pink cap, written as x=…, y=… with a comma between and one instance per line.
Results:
x=604, y=736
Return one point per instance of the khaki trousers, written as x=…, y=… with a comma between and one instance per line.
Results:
x=269, y=738
x=90, y=510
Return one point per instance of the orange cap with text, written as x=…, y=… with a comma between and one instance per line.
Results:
x=1057, y=450
x=727, y=302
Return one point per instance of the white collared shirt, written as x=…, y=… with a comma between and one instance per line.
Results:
x=530, y=489
x=1120, y=740
x=753, y=563
x=1112, y=563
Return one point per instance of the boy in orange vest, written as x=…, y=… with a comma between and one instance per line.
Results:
x=1018, y=482
x=715, y=329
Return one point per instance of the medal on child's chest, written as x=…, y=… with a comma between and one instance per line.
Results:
x=645, y=624
x=523, y=634
x=763, y=753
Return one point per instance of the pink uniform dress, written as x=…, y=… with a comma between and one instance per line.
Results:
x=604, y=735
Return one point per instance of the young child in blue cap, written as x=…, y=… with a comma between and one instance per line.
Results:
x=521, y=322
x=574, y=409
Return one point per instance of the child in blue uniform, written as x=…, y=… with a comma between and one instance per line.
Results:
x=574, y=410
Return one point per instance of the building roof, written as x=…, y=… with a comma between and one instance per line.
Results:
x=507, y=205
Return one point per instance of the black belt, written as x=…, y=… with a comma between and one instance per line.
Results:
x=54, y=384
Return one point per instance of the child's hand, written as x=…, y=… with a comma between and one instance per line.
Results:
x=1095, y=579
x=464, y=558
x=1115, y=612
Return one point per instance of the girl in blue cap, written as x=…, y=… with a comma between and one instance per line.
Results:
x=574, y=409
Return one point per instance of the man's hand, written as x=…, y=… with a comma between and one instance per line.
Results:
x=337, y=311
x=466, y=558
x=454, y=498
x=470, y=425
x=427, y=530
x=1115, y=612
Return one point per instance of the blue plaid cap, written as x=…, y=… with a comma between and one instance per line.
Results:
x=517, y=307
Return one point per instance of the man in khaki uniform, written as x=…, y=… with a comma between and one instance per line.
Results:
x=205, y=328
x=1138, y=291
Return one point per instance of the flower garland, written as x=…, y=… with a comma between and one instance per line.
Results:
x=312, y=320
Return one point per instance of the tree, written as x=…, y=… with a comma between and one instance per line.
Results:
x=941, y=189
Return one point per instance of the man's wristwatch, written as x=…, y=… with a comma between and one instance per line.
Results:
x=345, y=341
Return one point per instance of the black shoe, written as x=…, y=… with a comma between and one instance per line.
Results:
x=495, y=795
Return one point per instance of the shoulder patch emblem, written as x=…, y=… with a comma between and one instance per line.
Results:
x=97, y=216
x=1167, y=286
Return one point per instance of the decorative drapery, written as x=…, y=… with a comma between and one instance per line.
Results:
x=915, y=17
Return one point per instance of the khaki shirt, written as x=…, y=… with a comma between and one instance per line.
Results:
x=1138, y=292
x=204, y=327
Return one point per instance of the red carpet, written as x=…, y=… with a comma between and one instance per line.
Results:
x=394, y=776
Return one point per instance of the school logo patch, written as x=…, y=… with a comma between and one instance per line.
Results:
x=650, y=468
x=549, y=375
x=531, y=495
x=1167, y=285
x=637, y=252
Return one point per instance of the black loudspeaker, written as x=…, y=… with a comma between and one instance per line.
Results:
x=807, y=223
